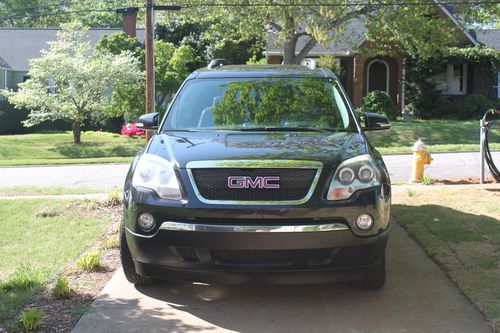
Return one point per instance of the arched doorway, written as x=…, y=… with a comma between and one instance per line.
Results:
x=377, y=76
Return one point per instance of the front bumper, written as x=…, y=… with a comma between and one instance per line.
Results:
x=241, y=244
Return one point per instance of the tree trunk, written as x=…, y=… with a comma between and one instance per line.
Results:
x=77, y=131
x=289, y=51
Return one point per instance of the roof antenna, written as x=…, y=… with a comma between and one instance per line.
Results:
x=216, y=63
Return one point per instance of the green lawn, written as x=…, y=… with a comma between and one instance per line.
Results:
x=438, y=135
x=50, y=190
x=58, y=148
x=38, y=238
x=462, y=236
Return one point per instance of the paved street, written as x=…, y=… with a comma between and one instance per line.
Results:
x=108, y=176
x=418, y=297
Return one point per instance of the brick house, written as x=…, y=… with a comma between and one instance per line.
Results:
x=19, y=45
x=362, y=74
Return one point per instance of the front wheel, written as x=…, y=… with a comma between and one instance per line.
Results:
x=128, y=263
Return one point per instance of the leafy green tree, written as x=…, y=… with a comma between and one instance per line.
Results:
x=410, y=25
x=72, y=82
x=199, y=33
x=51, y=13
x=172, y=66
x=127, y=101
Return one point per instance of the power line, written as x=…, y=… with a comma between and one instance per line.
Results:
x=62, y=4
x=322, y=4
x=39, y=7
x=59, y=13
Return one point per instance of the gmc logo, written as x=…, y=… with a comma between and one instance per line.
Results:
x=257, y=182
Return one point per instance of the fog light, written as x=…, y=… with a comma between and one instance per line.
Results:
x=146, y=221
x=364, y=222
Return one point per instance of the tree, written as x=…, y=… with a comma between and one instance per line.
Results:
x=52, y=13
x=172, y=66
x=72, y=82
x=393, y=25
x=208, y=44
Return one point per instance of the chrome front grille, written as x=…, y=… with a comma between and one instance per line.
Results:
x=297, y=181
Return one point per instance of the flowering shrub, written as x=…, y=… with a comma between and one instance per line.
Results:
x=131, y=129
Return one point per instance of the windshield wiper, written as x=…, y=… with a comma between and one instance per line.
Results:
x=284, y=129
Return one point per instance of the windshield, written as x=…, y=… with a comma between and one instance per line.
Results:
x=307, y=104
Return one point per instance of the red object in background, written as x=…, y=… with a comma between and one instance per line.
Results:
x=131, y=129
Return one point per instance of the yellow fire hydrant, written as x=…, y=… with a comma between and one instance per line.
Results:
x=420, y=158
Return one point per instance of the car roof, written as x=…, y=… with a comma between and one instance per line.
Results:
x=237, y=71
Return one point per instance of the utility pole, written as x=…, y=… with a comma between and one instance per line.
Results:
x=150, y=59
x=150, y=65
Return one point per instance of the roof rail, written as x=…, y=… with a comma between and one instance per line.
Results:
x=216, y=63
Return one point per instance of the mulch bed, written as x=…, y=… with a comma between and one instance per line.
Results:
x=464, y=181
x=61, y=315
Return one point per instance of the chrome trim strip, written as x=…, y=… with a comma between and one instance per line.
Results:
x=293, y=164
x=180, y=226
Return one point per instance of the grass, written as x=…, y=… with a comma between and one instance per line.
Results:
x=50, y=190
x=35, y=245
x=462, y=236
x=55, y=148
x=58, y=148
x=438, y=135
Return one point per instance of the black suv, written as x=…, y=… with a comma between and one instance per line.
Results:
x=257, y=174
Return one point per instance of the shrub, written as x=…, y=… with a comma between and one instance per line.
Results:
x=11, y=119
x=31, y=319
x=114, y=198
x=379, y=102
x=23, y=279
x=426, y=180
x=111, y=242
x=89, y=261
x=472, y=106
x=62, y=288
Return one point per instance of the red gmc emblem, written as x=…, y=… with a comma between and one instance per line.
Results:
x=257, y=182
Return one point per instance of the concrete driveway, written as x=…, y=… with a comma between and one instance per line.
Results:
x=418, y=297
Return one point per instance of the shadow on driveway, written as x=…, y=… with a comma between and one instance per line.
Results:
x=417, y=298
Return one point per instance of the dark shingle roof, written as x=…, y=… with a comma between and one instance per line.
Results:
x=489, y=38
x=347, y=41
x=3, y=63
x=18, y=46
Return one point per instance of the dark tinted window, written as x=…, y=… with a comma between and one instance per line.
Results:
x=206, y=104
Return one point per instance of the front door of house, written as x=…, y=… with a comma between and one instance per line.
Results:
x=378, y=76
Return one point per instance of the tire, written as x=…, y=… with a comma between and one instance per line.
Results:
x=128, y=262
x=376, y=281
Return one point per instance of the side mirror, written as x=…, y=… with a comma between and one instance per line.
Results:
x=376, y=122
x=148, y=121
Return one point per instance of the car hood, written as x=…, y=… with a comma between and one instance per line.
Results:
x=328, y=148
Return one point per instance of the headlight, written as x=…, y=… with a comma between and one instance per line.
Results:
x=353, y=174
x=156, y=173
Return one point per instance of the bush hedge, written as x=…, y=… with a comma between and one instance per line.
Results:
x=11, y=122
x=437, y=106
x=379, y=102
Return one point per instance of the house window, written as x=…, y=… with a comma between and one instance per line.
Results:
x=26, y=78
x=452, y=80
